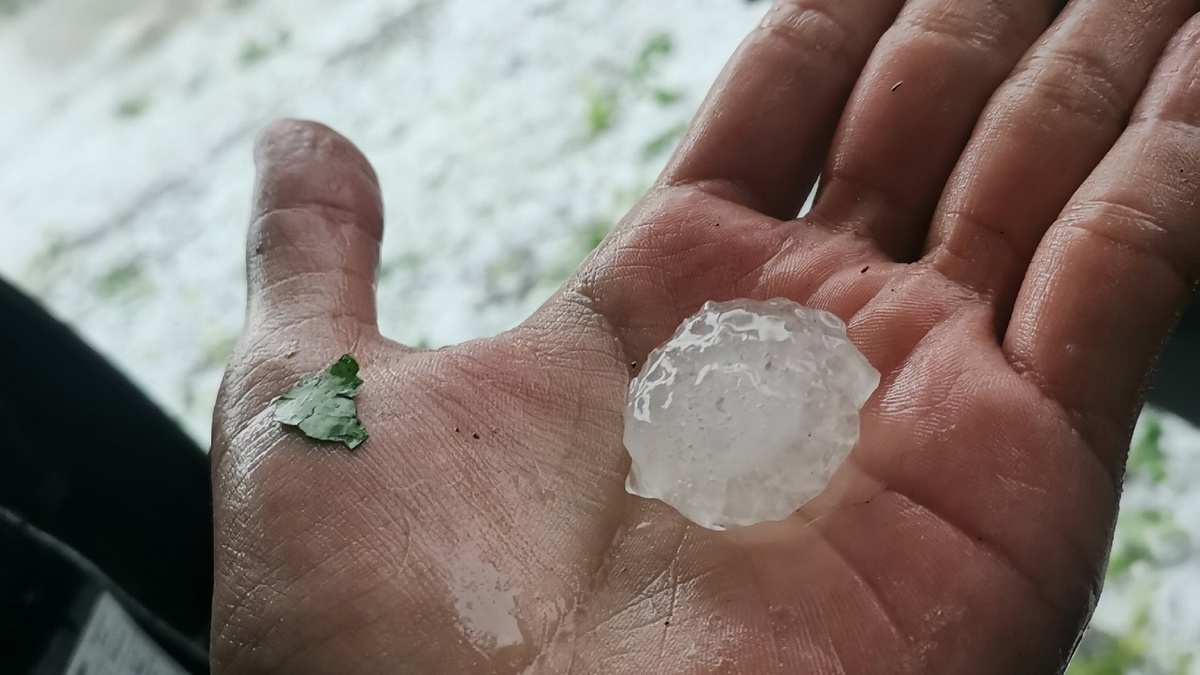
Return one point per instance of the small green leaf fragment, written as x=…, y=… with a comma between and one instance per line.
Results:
x=252, y=52
x=123, y=281
x=657, y=47
x=1146, y=456
x=666, y=97
x=134, y=106
x=321, y=405
x=601, y=111
x=663, y=142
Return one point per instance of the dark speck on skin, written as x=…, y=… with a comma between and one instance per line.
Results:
x=456, y=430
x=475, y=436
x=633, y=364
x=864, y=270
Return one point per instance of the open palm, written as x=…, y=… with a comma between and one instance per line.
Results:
x=1006, y=223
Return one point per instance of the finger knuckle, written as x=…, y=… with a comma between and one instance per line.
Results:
x=810, y=27
x=996, y=25
x=1124, y=226
x=1080, y=84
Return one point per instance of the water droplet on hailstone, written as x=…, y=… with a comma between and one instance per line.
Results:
x=746, y=412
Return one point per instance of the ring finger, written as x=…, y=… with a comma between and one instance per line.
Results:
x=1044, y=131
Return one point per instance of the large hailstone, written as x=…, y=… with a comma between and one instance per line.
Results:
x=746, y=412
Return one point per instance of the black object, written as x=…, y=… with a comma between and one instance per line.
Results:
x=1174, y=383
x=52, y=598
x=88, y=461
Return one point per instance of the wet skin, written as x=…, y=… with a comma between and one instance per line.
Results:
x=1010, y=234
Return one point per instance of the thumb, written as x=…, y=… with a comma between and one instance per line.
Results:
x=314, y=242
x=310, y=264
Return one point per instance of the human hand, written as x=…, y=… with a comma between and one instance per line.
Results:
x=1006, y=223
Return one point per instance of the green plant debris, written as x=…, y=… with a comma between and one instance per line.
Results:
x=1105, y=654
x=583, y=241
x=1121, y=562
x=134, y=106
x=601, y=111
x=655, y=48
x=254, y=51
x=627, y=85
x=512, y=264
x=218, y=350
x=1145, y=535
x=45, y=260
x=665, y=97
x=407, y=262
x=1117, y=661
x=663, y=142
x=322, y=405
x=13, y=7
x=1146, y=458
x=586, y=239
x=124, y=280
x=1131, y=543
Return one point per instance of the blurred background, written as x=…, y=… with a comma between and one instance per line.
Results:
x=509, y=138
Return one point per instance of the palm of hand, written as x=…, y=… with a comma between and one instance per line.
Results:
x=485, y=528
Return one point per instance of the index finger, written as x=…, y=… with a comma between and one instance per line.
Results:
x=761, y=135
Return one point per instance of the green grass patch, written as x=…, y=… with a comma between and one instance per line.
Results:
x=582, y=243
x=46, y=259
x=1146, y=457
x=219, y=349
x=14, y=7
x=135, y=106
x=407, y=262
x=665, y=97
x=1146, y=535
x=634, y=81
x=663, y=142
x=657, y=47
x=588, y=238
x=125, y=280
x=254, y=51
x=601, y=111
x=1117, y=661
x=1105, y=654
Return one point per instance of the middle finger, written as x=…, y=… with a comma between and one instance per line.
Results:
x=913, y=110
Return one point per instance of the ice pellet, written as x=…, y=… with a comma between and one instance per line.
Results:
x=746, y=412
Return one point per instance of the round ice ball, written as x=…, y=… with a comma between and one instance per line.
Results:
x=746, y=412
